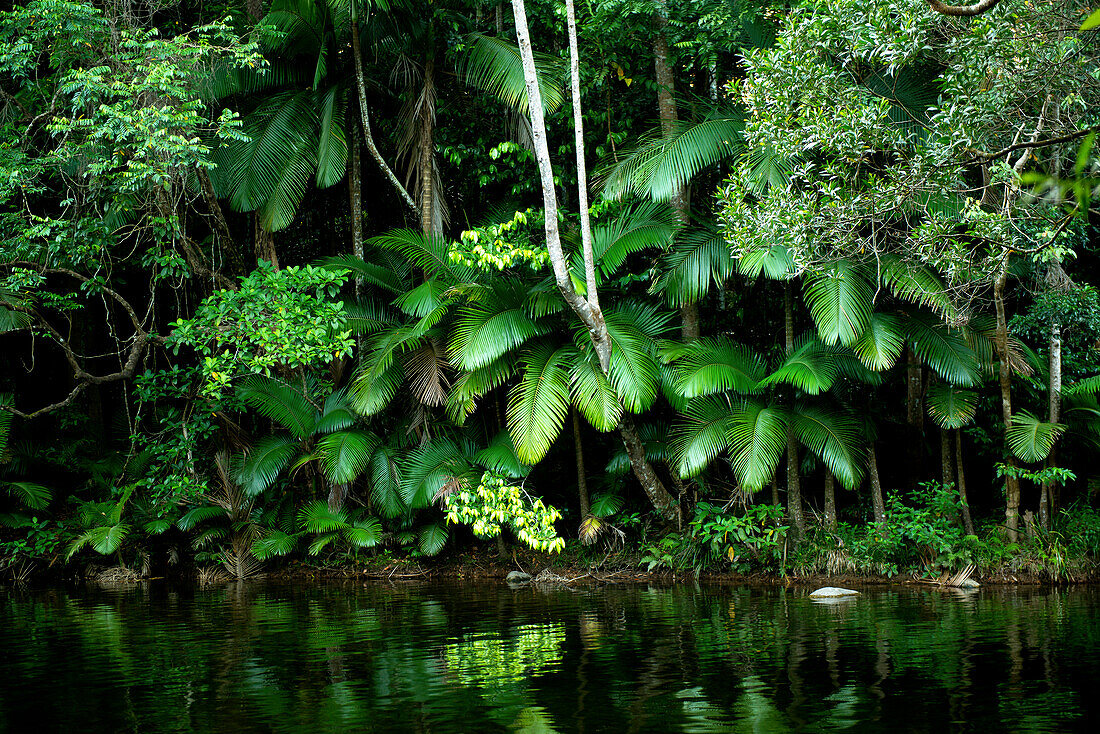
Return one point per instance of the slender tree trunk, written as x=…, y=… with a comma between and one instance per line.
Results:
x=1056, y=279
x=427, y=153
x=875, y=481
x=947, y=469
x=582, y=169
x=591, y=316
x=364, y=116
x=1012, y=483
x=337, y=493
x=658, y=496
x=830, y=501
x=775, y=490
x=669, y=116
x=794, y=483
x=582, y=479
x=968, y=523
x=914, y=418
x=264, y=243
x=355, y=200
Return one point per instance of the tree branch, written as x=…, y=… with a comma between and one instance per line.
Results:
x=962, y=11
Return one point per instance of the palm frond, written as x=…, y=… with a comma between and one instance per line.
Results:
x=385, y=482
x=833, y=436
x=374, y=274
x=951, y=407
x=332, y=146
x=916, y=283
x=500, y=456
x=841, y=301
x=282, y=403
x=593, y=395
x=104, y=539
x=484, y=332
x=634, y=329
x=265, y=462
x=431, y=539
x=345, y=454
x=436, y=467
x=365, y=533
x=1031, y=439
x=757, y=437
x=698, y=260
x=606, y=504
x=702, y=435
x=316, y=517
x=944, y=349
x=538, y=405
x=880, y=344
x=661, y=166
x=273, y=543
x=372, y=392
x=430, y=253
x=774, y=263
x=637, y=228
x=34, y=496
x=198, y=515
x=426, y=368
x=811, y=368
x=765, y=169
x=494, y=66
x=471, y=386
x=715, y=365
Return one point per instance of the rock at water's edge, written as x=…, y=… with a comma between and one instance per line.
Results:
x=832, y=591
x=517, y=577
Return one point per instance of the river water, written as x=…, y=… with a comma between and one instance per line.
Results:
x=427, y=657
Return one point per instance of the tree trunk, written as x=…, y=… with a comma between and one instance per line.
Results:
x=877, y=502
x=1012, y=483
x=364, y=115
x=1056, y=280
x=794, y=485
x=669, y=116
x=967, y=522
x=582, y=479
x=355, y=200
x=947, y=469
x=264, y=243
x=658, y=496
x=582, y=169
x=427, y=154
x=337, y=493
x=590, y=315
x=830, y=501
x=914, y=419
x=775, y=490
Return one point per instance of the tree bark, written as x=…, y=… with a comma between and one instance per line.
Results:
x=582, y=168
x=427, y=154
x=914, y=419
x=1056, y=280
x=591, y=316
x=658, y=496
x=830, y=501
x=355, y=200
x=968, y=523
x=947, y=469
x=1012, y=483
x=877, y=502
x=962, y=11
x=364, y=115
x=264, y=243
x=794, y=484
x=582, y=479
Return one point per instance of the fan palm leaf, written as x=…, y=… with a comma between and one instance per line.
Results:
x=471, y=386
x=494, y=66
x=345, y=454
x=944, y=349
x=757, y=436
x=833, y=436
x=916, y=283
x=485, y=331
x=702, y=435
x=433, y=468
x=841, y=301
x=715, y=365
x=365, y=533
x=385, y=482
x=640, y=227
x=431, y=539
x=500, y=456
x=811, y=368
x=633, y=329
x=539, y=403
x=1031, y=439
x=951, y=407
x=774, y=263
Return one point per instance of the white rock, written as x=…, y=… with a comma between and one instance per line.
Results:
x=832, y=591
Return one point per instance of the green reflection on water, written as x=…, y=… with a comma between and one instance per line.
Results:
x=421, y=657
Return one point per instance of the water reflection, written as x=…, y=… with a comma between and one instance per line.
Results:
x=435, y=658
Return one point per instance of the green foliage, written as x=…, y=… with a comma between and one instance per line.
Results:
x=495, y=503
x=502, y=245
x=277, y=318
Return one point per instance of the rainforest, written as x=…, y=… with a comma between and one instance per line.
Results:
x=779, y=289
